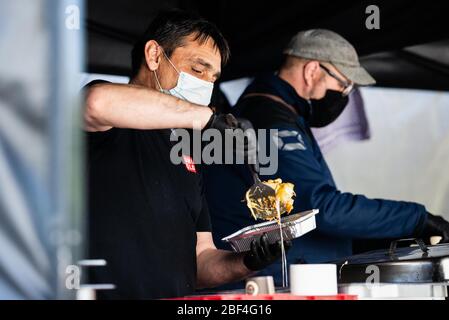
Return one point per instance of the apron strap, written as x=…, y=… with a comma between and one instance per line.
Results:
x=274, y=98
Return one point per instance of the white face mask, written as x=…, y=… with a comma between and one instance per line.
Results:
x=189, y=88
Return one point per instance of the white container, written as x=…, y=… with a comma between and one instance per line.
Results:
x=313, y=279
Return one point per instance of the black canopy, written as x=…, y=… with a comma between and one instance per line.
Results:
x=410, y=50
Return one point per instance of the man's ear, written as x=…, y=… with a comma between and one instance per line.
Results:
x=311, y=72
x=153, y=55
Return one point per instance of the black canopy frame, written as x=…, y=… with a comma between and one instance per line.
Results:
x=410, y=50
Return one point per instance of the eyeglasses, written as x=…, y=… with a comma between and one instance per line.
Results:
x=348, y=86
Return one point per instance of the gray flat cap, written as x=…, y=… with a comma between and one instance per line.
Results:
x=328, y=46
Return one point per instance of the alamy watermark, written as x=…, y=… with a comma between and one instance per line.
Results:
x=374, y=274
x=234, y=146
x=372, y=22
x=73, y=277
x=73, y=17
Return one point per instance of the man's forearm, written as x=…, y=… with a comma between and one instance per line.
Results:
x=136, y=107
x=217, y=267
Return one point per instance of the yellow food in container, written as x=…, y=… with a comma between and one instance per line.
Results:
x=266, y=208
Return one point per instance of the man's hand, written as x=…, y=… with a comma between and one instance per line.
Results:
x=217, y=267
x=221, y=122
x=435, y=226
x=246, y=141
x=262, y=253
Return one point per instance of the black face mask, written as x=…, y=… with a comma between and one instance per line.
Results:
x=326, y=110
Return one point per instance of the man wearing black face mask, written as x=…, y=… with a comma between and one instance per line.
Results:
x=311, y=90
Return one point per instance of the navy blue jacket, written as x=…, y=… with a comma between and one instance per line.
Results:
x=342, y=217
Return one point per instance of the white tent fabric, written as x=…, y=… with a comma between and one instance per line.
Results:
x=407, y=157
x=26, y=264
x=40, y=150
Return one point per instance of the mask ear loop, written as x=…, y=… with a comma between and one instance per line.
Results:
x=176, y=69
x=168, y=59
x=157, y=81
x=155, y=74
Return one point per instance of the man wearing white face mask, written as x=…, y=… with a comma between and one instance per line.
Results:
x=188, y=87
x=148, y=217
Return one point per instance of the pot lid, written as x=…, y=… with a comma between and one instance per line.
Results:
x=418, y=252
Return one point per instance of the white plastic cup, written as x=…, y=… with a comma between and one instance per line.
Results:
x=313, y=279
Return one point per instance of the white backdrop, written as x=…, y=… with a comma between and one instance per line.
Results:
x=41, y=211
x=407, y=157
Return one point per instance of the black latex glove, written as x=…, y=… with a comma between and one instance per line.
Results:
x=222, y=122
x=262, y=253
x=435, y=226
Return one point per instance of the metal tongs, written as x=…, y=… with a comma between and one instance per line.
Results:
x=259, y=189
x=261, y=194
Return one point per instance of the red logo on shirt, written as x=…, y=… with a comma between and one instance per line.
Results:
x=188, y=162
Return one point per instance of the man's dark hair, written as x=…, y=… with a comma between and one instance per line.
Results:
x=170, y=28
